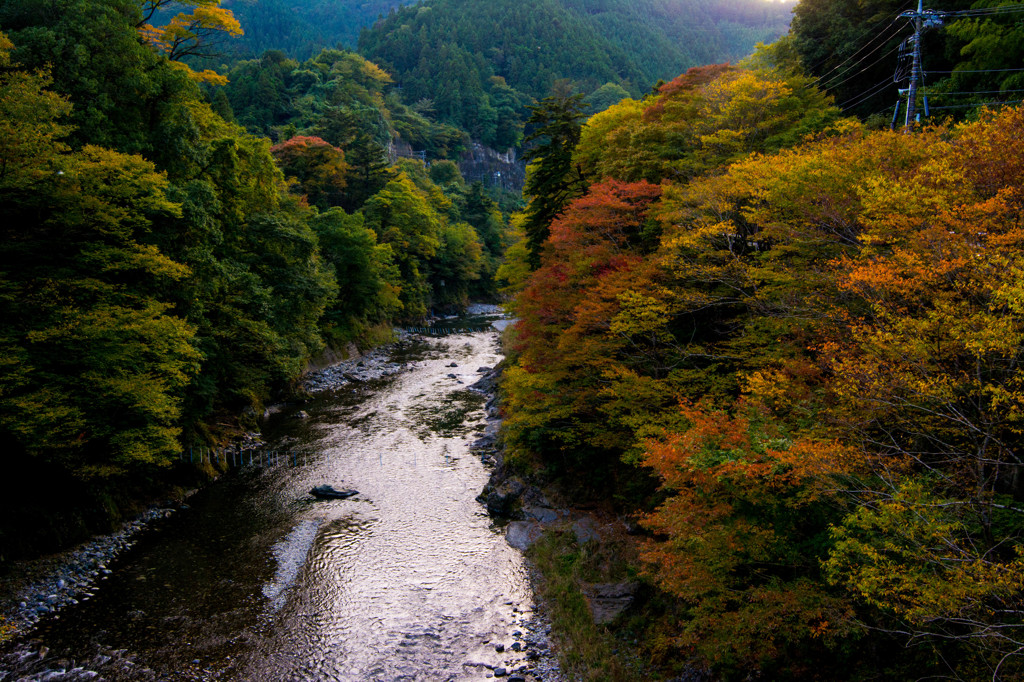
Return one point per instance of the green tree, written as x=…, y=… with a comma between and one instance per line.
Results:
x=368, y=280
x=95, y=360
x=401, y=215
x=552, y=179
x=456, y=266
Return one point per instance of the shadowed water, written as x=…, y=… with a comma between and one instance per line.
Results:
x=259, y=581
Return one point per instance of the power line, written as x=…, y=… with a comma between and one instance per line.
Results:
x=868, y=44
x=976, y=92
x=882, y=111
x=919, y=18
x=976, y=71
x=885, y=56
x=866, y=94
x=984, y=11
x=984, y=104
x=891, y=18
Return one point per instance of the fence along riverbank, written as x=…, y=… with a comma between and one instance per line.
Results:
x=448, y=331
x=237, y=457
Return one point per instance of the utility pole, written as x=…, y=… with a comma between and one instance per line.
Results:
x=915, y=70
x=922, y=19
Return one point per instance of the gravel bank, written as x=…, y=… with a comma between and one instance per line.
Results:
x=71, y=576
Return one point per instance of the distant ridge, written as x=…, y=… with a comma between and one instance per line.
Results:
x=302, y=28
x=477, y=61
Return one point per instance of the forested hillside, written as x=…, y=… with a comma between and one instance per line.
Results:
x=165, y=272
x=336, y=95
x=477, y=63
x=789, y=345
x=304, y=27
x=783, y=340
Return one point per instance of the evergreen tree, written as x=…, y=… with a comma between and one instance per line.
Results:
x=368, y=170
x=552, y=179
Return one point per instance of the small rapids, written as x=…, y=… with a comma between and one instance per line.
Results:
x=258, y=580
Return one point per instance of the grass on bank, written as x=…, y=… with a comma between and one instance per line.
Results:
x=590, y=652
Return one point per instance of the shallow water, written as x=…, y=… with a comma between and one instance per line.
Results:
x=409, y=580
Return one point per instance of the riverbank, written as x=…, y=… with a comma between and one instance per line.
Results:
x=34, y=589
x=603, y=617
x=403, y=442
x=544, y=663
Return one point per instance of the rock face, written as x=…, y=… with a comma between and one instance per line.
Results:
x=607, y=601
x=522, y=534
x=492, y=168
x=503, y=500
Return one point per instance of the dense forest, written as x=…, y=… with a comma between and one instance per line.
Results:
x=477, y=63
x=165, y=271
x=788, y=343
x=780, y=336
x=303, y=28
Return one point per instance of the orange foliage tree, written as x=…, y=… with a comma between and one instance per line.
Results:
x=928, y=380
x=740, y=541
x=841, y=314
x=568, y=339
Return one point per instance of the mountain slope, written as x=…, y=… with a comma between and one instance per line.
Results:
x=477, y=62
x=302, y=28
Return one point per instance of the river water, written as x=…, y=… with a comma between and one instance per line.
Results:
x=257, y=580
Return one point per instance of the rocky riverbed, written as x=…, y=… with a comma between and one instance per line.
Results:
x=72, y=576
x=344, y=610
x=376, y=364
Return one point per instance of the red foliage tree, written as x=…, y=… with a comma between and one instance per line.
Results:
x=318, y=166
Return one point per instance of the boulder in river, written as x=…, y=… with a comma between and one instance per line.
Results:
x=502, y=500
x=330, y=492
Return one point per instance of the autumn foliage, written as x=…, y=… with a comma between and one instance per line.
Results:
x=318, y=166
x=196, y=31
x=814, y=349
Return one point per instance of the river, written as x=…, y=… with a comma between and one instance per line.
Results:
x=257, y=580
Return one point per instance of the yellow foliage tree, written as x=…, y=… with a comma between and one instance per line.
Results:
x=195, y=32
